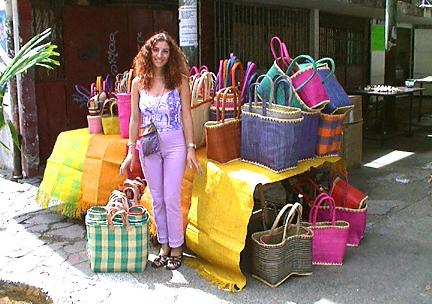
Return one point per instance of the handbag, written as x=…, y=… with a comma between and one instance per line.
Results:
x=149, y=139
x=307, y=84
x=94, y=123
x=124, y=112
x=338, y=98
x=329, y=238
x=266, y=140
x=328, y=141
x=282, y=251
x=280, y=64
x=309, y=134
x=346, y=195
x=355, y=217
x=110, y=122
x=201, y=97
x=223, y=135
x=113, y=246
x=136, y=167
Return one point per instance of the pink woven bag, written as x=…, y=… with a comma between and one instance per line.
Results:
x=330, y=237
x=307, y=83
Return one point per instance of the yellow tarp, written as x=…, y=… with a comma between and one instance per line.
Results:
x=221, y=206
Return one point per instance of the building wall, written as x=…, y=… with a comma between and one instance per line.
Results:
x=423, y=56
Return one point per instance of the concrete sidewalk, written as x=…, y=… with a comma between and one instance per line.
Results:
x=393, y=263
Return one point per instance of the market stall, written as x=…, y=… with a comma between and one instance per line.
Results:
x=84, y=168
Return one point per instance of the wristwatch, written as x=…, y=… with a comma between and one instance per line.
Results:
x=191, y=145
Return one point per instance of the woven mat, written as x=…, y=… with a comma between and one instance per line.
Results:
x=221, y=205
x=101, y=169
x=61, y=183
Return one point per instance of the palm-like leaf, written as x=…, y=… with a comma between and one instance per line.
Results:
x=34, y=52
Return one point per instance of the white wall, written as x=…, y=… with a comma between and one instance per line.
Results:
x=377, y=67
x=423, y=56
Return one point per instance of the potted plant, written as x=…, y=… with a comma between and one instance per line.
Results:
x=34, y=52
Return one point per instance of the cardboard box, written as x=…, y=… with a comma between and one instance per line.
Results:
x=354, y=115
x=352, y=144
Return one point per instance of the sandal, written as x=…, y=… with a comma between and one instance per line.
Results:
x=160, y=261
x=174, y=262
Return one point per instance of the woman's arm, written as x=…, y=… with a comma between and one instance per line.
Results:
x=134, y=122
x=188, y=124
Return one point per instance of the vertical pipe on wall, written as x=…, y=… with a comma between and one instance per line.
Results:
x=314, y=33
x=390, y=42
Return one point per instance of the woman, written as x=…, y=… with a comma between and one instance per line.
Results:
x=160, y=94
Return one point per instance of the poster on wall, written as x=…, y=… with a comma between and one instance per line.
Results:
x=188, y=25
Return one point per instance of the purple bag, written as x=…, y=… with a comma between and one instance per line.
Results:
x=330, y=237
x=308, y=134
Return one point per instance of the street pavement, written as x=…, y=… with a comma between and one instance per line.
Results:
x=392, y=264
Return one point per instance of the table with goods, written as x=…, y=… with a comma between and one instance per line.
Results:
x=282, y=127
x=385, y=96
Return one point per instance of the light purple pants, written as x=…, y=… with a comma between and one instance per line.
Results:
x=164, y=175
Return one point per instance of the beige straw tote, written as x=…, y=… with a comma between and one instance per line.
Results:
x=201, y=97
x=282, y=251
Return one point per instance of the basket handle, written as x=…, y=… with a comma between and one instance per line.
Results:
x=271, y=86
x=280, y=214
x=105, y=102
x=203, y=82
x=251, y=79
x=113, y=103
x=193, y=71
x=294, y=67
x=331, y=67
x=295, y=209
x=321, y=198
x=286, y=82
x=306, y=181
x=283, y=51
x=250, y=67
x=253, y=97
x=220, y=111
x=236, y=66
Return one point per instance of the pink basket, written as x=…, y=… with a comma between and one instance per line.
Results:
x=94, y=124
x=124, y=112
x=329, y=237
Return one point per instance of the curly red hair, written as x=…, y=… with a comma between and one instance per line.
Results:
x=176, y=66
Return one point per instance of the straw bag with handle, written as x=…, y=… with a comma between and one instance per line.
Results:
x=223, y=135
x=282, y=251
x=201, y=97
x=330, y=238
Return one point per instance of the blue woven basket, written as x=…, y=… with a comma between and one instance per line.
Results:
x=308, y=134
x=337, y=95
x=266, y=141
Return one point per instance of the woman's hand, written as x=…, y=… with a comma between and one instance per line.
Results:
x=127, y=163
x=192, y=160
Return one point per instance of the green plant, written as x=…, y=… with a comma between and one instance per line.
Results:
x=34, y=52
